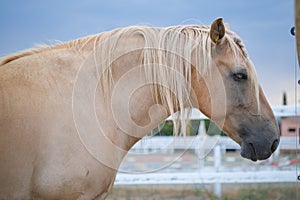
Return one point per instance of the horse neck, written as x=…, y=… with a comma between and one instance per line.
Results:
x=133, y=107
x=133, y=110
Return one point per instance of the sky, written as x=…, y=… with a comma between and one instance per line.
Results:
x=264, y=27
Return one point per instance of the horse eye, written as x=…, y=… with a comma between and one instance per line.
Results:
x=240, y=76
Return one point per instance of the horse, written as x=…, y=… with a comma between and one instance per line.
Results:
x=70, y=112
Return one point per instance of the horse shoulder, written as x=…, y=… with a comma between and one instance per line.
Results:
x=35, y=102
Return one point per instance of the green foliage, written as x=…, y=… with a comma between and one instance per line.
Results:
x=212, y=129
x=166, y=129
x=284, y=100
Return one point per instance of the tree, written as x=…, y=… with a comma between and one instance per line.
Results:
x=284, y=101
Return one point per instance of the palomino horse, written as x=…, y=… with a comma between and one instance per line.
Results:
x=70, y=112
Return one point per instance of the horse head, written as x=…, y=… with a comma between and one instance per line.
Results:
x=232, y=97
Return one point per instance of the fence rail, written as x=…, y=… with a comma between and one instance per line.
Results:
x=200, y=144
x=206, y=177
x=169, y=143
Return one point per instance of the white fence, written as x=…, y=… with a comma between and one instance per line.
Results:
x=216, y=177
x=168, y=143
x=206, y=177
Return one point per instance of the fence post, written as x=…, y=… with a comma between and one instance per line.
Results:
x=217, y=157
x=217, y=165
x=200, y=155
x=218, y=189
x=201, y=144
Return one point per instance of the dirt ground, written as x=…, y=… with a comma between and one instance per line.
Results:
x=282, y=191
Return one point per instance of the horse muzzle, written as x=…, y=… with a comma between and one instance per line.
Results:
x=258, y=149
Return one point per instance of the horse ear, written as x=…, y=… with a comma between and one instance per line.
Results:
x=217, y=30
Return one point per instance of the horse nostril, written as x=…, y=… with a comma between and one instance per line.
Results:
x=274, y=145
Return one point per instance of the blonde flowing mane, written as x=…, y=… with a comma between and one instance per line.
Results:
x=166, y=57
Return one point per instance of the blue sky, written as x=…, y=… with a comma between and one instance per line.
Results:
x=263, y=25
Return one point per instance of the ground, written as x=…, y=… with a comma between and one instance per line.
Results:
x=282, y=191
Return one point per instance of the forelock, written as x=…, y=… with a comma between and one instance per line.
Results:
x=241, y=46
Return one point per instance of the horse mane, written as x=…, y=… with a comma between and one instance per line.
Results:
x=39, y=48
x=19, y=55
x=166, y=57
